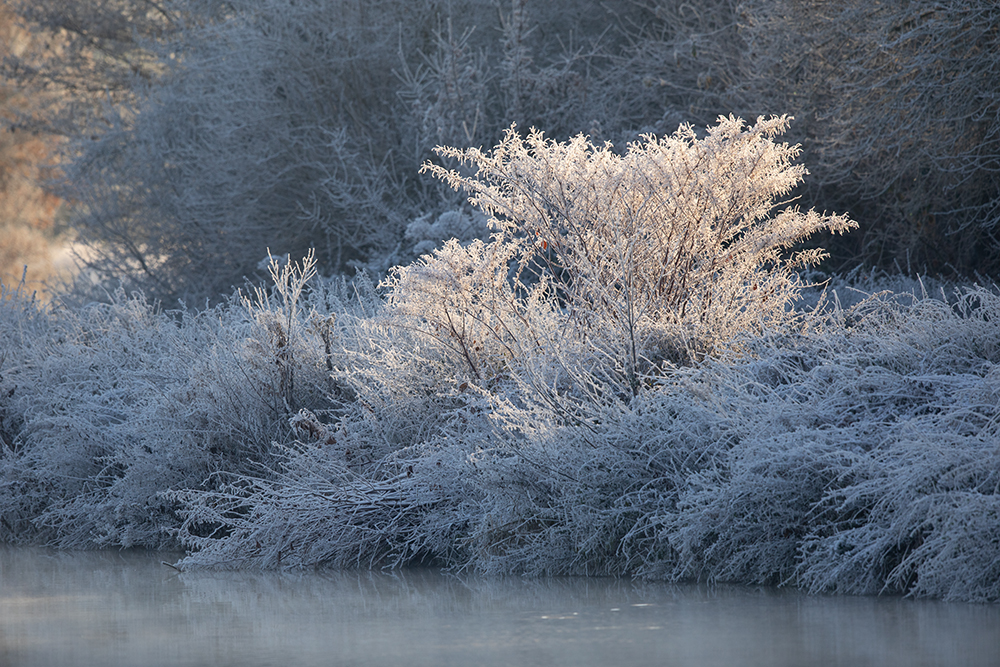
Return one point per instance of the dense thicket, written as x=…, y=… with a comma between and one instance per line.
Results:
x=614, y=382
x=900, y=119
x=290, y=125
x=208, y=132
x=594, y=348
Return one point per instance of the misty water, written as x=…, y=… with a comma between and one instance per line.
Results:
x=126, y=608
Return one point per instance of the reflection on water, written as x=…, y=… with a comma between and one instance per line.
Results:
x=125, y=608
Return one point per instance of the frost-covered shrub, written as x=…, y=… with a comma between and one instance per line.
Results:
x=90, y=384
x=317, y=508
x=857, y=459
x=25, y=327
x=524, y=334
x=461, y=300
x=666, y=252
x=478, y=409
x=857, y=456
x=118, y=402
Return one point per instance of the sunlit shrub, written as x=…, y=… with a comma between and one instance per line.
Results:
x=666, y=252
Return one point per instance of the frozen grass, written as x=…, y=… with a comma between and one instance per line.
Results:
x=860, y=458
x=110, y=404
x=479, y=411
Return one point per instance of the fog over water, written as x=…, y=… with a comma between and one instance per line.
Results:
x=126, y=608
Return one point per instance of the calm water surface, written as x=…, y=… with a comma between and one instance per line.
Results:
x=125, y=608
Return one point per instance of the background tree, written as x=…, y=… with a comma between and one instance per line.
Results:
x=87, y=55
x=895, y=105
x=289, y=125
x=899, y=111
x=27, y=212
x=202, y=133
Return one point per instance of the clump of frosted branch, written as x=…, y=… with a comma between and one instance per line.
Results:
x=668, y=251
x=121, y=401
x=859, y=456
x=535, y=341
x=491, y=414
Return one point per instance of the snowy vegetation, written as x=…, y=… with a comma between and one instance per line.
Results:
x=198, y=133
x=320, y=324
x=631, y=375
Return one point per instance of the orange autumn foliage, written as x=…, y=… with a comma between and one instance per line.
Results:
x=28, y=235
